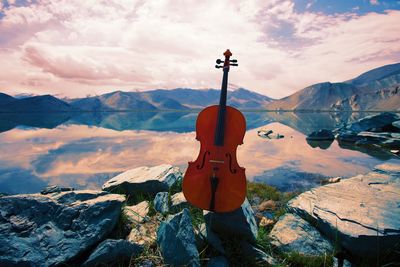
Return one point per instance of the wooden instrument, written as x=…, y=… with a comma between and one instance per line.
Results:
x=215, y=181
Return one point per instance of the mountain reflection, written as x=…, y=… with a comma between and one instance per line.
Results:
x=84, y=156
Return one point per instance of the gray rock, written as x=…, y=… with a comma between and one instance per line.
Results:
x=137, y=213
x=219, y=261
x=240, y=223
x=362, y=212
x=396, y=124
x=113, y=251
x=45, y=230
x=144, y=233
x=178, y=201
x=161, y=202
x=255, y=255
x=321, y=135
x=150, y=180
x=373, y=122
x=293, y=234
x=211, y=238
x=176, y=240
x=55, y=189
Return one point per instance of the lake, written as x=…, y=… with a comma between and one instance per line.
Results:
x=83, y=150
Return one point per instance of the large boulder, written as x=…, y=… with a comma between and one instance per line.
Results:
x=239, y=223
x=113, y=251
x=46, y=230
x=176, y=240
x=293, y=234
x=148, y=180
x=361, y=213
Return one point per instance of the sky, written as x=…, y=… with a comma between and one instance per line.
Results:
x=75, y=48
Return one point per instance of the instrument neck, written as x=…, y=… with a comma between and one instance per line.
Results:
x=220, y=127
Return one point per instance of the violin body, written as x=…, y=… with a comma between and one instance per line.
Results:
x=217, y=160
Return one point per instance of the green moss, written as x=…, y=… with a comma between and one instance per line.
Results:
x=262, y=191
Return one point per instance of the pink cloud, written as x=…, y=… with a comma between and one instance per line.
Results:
x=75, y=48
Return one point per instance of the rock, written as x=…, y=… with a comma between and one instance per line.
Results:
x=293, y=234
x=55, y=189
x=144, y=180
x=396, y=124
x=361, y=212
x=145, y=233
x=219, y=261
x=376, y=122
x=113, y=251
x=267, y=205
x=176, y=240
x=256, y=255
x=240, y=223
x=321, y=135
x=331, y=180
x=44, y=230
x=178, y=202
x=212, y=238
x=161, y=202
x=264, y=222
x=137, y=214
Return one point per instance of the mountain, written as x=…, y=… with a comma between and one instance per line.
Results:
x=43, y=103
x=175, y=99
x=377, y=89
x=5, y=99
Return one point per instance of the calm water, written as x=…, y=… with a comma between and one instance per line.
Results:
x=84, y=150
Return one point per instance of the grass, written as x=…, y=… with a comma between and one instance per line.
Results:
x=296, y=259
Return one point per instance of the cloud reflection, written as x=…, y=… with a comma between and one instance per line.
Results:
x=84, y=157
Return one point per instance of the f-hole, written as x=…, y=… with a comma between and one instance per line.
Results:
x=199, y=167
x=230, y=163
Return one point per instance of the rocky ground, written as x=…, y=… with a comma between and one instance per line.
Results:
x=141, y=218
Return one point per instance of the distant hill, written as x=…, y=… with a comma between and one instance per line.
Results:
x=174, y=99
x=5, y=99
x=377, y=89
x=45, y=103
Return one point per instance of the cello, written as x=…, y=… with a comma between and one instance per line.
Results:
x=215, y=181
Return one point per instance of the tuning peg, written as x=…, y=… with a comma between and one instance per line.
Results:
x=219, y=61
x=234, y=65
x=233, y=60
x=216, y=66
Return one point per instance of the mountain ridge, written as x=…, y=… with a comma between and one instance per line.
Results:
x=376, y=90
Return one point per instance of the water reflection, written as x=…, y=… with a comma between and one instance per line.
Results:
x=84, y=155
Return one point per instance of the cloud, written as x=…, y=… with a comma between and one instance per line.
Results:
x=374, y=2
x=77, y=48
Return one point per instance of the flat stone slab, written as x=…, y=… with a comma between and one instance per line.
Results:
x=149, y=180
x=293, y=234
x=47, y=230
x=137, y=213
x=362, y=212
